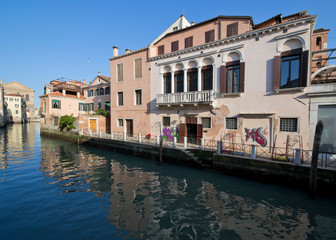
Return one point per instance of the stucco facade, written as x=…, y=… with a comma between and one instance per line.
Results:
x=16, y=108
x=260, y=110
x=3, y=107
x=130, y=92
x=28, y=96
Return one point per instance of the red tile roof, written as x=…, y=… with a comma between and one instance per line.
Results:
x=59, y=94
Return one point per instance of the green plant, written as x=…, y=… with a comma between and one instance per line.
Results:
x=102, y=112
x=67, y=122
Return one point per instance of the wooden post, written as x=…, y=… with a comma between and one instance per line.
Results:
x=161, y=141
x=313, y=168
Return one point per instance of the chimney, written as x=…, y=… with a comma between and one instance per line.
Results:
x=0, y=81
x=84, y=81
x=127, y=50
x=78, y=94
x=192, y=23
x=115, y=51
x=63, y=92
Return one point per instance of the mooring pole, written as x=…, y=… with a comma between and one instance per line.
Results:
x=161, y=141
x=316, y=150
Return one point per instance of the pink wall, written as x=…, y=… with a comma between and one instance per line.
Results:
x=139, y=113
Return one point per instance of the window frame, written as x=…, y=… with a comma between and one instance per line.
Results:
x=235, y=123
x=120, y=120
x=164, y=121
x=210, y=121
x=122, y=72
x=209, y=36
x=207, y=69
x=231, y=69
x=174, y=46
x=165, y=76
x=54, y=102
x=122, y=96
x=161, y=50
x=136, y=91
x=288, y=118
x=138, y=77
x=188, y=42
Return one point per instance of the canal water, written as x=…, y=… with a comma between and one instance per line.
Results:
x=56, y=190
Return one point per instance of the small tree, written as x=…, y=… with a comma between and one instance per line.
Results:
x=67, y=122
x=102, y=112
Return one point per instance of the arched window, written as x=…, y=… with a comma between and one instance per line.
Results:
x=179, y=78
x=192, y=76
x=101, y=91
x=107, y=90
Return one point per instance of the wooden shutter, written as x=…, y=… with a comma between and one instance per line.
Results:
x=209, y=36
x=174, y=46
x=188, y=42
x=161, y=50
x=138, y=70
x=229, y=30
x=182, y=130
x=241, y=77
x=304, y=69
x=232, y=29
x=276, y=72
x=120, y=72
x=222, y=79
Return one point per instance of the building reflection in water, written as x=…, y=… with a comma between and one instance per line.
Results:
x=17, y=142
x=148, y=201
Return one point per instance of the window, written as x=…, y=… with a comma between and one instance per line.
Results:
x=120, y=99
x=138, y=68
x=120, y=122
x=192, y=77
x=101, y=91
x=88, y=93
x=166, y=121
x=288, y=124
x=167, y=82
x=56, y=121
x=107, y=90
x=27, y=97
x=120, y=72
x=11, y=99
x=179, y=76
x=81, y=106
x=161, y=50
x=138, y=96
x=92, y=107
x=232, y=29
x=17, y=105
x=16, y=111
x=107, y=106
x=16, y=100
x=210, y=36
x=232, y=123
x=98, y=105
x=232, y=78
x=188, y=42
x=85, y=107
x=56, y=104
x=91, y=93
x=174, y=46
x=290, y=69
x=207, y=77
x=96, y=92
x=206, y=122
x=175, y=29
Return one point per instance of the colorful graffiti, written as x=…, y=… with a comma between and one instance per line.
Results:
x=169, y=134
x=256, y=136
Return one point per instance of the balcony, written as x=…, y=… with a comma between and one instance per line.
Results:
x=181, y=98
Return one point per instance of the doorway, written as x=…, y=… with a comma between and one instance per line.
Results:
x=192, y=133
x=93, y=125
x=129, y=127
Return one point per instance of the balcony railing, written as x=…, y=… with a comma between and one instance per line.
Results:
x=185, y=98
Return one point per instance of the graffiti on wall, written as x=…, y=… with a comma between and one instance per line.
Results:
x=256, y=136
x=169, y=134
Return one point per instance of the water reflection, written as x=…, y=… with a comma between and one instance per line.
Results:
x=147, y=201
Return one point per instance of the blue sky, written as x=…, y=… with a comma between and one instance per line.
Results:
x=44, y=40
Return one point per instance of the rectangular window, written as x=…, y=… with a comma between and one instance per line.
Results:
x=179, y=76
x=210, y=36
x=88, y=94
x=288, y=124
x=56, y=120
x=138, y=97
x=120, y=72
x=17, y=105
x=207, y=72
x=174, y=46
x=17, y=111
x=138, y=68
x=27, y=97
x=16, y=99
x=98, y=105
x=120, y=122
x=166, y=121
x=232, y=123
x=290, y=72
x=81, y=106
x=120, y=99
x=167, y=82
x=107, y=90
x=206, y=122
x=188, y=42
x=232, y=29
x=161, y=50
x=96, y=92
x=232, y=77
x=192, y=76
x=92, y=107
x=107, y=106
x=101, y=91
x=56, y=104
x=85, y=107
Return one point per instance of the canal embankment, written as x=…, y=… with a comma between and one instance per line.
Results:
x=274, y=172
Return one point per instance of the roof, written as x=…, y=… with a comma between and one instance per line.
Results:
x=104, y=77
x=17, y=83
x=130, y=53
x=210, y=20
x=319, y=30
x=59, y=94
x=12, y=94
